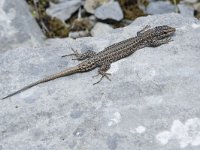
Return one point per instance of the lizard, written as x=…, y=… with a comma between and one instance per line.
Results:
x=146, y=37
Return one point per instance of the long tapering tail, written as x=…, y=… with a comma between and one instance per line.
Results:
x=66, y=72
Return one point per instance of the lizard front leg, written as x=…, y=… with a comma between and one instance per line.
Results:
x=83, y=56
x=102, y=71
x=155, y=43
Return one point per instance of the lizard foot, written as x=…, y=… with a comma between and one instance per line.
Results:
x=73, y=54
x=103, y=75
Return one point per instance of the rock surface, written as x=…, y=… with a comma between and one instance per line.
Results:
x=161, y=7
x=15, y=31
x=111, y=10
x=100, y=28
x=190, y=1
x=152, y=102
x=186, y=10
x=64, y=9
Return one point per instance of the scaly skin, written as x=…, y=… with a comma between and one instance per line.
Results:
x=145, y=38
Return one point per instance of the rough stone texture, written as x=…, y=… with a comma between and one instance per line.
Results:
x=64, y=9
x=17, y=26
x=152, y=102
x=100, y=28
x=111, y=10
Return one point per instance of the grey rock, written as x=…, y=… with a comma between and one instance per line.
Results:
x=17, y=26
x=190, y=1
x=64, y=9
x=76, y=114
x=160, y=7
x=79, y=34
x=100, y=28
x=152, y=102
x=111, y=10
x=186, y=10
x=112, y=141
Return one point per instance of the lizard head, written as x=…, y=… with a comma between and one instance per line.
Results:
x=164, y=31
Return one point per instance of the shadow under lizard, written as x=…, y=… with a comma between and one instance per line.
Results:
x=147, y=37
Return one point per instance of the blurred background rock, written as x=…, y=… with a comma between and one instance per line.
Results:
x=19, y=19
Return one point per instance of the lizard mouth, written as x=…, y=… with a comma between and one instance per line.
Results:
x=167, y=32
x=170, y=31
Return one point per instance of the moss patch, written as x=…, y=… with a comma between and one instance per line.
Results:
x=51, y=27
x=131, y=10
x=175, y=1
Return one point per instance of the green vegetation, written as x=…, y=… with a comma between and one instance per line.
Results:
x=131, y=8
x=51, y=27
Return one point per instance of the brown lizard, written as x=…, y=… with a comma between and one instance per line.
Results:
x=151, y=37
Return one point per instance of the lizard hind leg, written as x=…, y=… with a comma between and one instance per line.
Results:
x=83, y=56
x=102, y=71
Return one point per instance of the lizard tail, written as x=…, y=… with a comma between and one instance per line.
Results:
x=66, y=72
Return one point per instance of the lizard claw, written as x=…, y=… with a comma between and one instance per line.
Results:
x=103, y=75
x=95, y=75
x=170, y=40
x=106, y=74
x=167, y=40
x=67, y=55
x=73, y=54
x=147, y=27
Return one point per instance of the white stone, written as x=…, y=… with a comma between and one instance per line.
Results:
x=18, y=28
x=100, y=28
x=160, y=7
x=111, y=10
x=64, y=9
x=186, y=134
x=140, y=129
x=186, y=10
x=190, y=1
